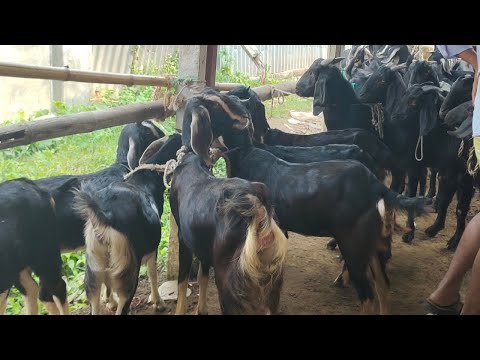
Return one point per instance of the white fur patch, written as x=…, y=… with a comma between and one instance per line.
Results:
x=154, y=207
x=381, y=208
x=152, y=128
x=131, y=154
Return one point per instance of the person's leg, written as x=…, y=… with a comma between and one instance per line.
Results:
x=472, y=298
x=447, y=292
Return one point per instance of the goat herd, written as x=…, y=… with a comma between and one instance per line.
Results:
x=405, y=114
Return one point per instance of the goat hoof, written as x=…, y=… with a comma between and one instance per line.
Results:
x=111, y=306
x=432, y=231
x=157, y=305
x=408, y=238
x=453, y=242
x=332, y=244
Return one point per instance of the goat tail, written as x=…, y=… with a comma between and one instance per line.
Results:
x=419, y=205
x=107, y=249
x=264, y=253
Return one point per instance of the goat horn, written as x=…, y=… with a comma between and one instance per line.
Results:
x=398, y=67
x=431, y=87
x=332, y=60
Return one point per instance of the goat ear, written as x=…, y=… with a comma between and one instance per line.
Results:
x=201, y=133
x=261, y=192
x=155, y=130
x=65, y=189
x=319, y=97
x=394, y=92
x=150, y=150
x=131, y=154
x=428, y=119
x=392, y=55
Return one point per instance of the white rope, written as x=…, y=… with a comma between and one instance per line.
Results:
x=169, y=167
x=420, y=141
x=472, y=162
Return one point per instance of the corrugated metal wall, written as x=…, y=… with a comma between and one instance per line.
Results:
x=118, y=58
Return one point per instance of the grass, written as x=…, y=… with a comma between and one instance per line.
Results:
x=290, y=103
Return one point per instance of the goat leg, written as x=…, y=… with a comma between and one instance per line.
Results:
x=29, y=289
x=423, y=182
x=413, y=179
x=464, y=197
x=154, y=298
x=432, y=186
x=202, y=278
x=446, y=190
x=398, y=181
x=185, y=262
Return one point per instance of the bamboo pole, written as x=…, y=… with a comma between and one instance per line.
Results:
x=66, y=74
x=29, y=132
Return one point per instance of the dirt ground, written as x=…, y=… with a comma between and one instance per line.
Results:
x=414, y=270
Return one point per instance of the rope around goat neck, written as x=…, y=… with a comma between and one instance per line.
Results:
x=169, y=167
x=378, y=118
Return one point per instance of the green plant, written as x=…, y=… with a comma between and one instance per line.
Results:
x=170, y=63
x=226, y=73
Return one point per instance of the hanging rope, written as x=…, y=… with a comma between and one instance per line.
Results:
x=472, y=162
x=378, y=118
x=280, y=95
x=420, y=141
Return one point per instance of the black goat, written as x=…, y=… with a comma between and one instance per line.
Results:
x=28, y=242
x=221, y=110
x=460, y=93
x=122, y=228
x=368, y=143
x=365, y=140
x=297, y=154
x=422, y=141
x=420, y=72
x=228, y=224
x=132, y=142
x=342, y=199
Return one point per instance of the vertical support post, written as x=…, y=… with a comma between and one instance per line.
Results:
x=56, y=59
x=211, y=65
x=192, y=66
x=172, y=260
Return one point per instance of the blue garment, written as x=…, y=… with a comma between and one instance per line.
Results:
x=450, y=51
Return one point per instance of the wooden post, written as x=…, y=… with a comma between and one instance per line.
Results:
x=335, y=51
x=211, y=65
x=172, y=259
x=193, y=65
x=56, y=59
